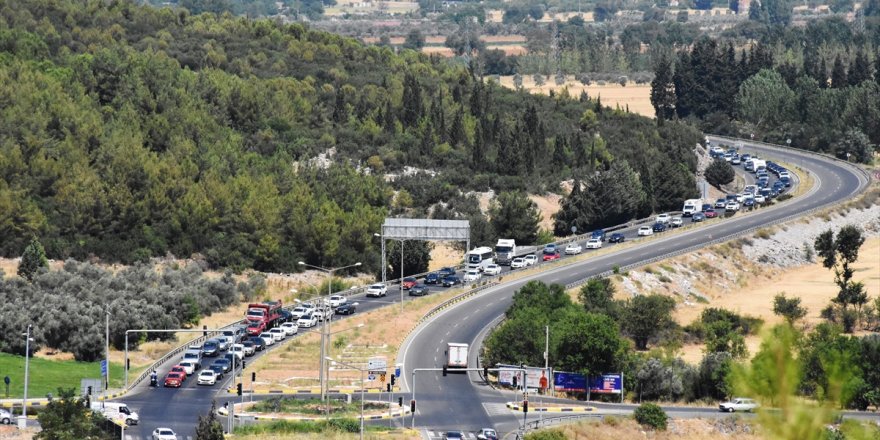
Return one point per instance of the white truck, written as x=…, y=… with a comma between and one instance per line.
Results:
x=691, y=207
x=506, y=250
x=116, y=411
x=753, y=164
x=456, y=355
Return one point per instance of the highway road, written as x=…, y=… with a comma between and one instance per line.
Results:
x=180, y=408
x=463, y=401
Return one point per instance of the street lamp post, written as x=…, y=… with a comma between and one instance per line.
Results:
x=401, y=265
x=27, y=357
x=362, y=389
x=324, y=321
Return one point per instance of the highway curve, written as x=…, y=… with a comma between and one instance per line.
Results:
x=461, y=401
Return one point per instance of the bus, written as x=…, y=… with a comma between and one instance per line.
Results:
x=480, y=257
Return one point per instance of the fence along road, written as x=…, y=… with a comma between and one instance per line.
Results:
x=456, y=401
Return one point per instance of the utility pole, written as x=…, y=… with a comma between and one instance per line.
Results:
x=107, y=350
x=27, y=357
x=546, y=370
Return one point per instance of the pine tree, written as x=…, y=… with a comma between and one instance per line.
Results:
x=457, y=136
x=823, y=74
x=663, y=91
x=860, y=70
x=412, y=101
x=560, y=157
x=478, y=152
x=209, y=428
x=877, y=67
x=838, y=74
x=32, y=260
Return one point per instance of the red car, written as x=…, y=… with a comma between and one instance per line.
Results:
x=179, y=369
x=409, y=283
x=174, y=380
x=710, y=213
x=551, y=257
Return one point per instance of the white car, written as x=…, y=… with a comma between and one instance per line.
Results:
x=279, y=334
x=492, y=269
x=238, y=351
x=573, y=249
x=377, y=290
x=645, y=231
x=662, y=218
x=594, y=243
x=760, y=199
x=268, y=338
x=676, y=222
x=337, y=300
x=738, y=404
x=471, y=275
x=307, y=321
x=531, y=259
x=297, y=312
x=731, y=206
x=188, y=366
x=207, y=377
x=320, y=312
x=518, y=263
x=290, y=328
x=164, y=434
x=5, y=417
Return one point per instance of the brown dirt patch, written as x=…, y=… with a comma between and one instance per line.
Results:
x=548, y=205
x=614, y=428
x=503, y=39
x=636, y=96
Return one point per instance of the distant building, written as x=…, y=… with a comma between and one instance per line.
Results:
x=744, y=6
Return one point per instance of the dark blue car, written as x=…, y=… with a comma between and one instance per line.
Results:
x=432, y=278
x=659, y=227
x=598, y=233
x=617, y=237
x=446, y=271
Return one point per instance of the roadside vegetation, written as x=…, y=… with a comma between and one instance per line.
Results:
x=47, y=376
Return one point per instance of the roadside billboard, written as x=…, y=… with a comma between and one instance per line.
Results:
x=536, y=376
x=607, y=384
x=569, y=382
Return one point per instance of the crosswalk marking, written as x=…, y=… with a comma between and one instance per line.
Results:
x=441, y=435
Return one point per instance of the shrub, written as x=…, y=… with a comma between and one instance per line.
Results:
x=649, y=414
x=784, y=197
x=551, y=434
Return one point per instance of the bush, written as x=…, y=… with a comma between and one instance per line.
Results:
x=719, y=172
x=649, y=414
x=551, y=434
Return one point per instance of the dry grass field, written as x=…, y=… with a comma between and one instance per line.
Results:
x=635, y=96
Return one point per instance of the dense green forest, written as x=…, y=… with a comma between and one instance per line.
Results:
x=818, y=103
x=128, y=132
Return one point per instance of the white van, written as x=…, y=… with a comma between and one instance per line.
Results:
x=116, y=411
x=479, y=258
x=691, y=206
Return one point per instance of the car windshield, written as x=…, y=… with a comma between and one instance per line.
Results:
x=166, y=432
x=210, y=345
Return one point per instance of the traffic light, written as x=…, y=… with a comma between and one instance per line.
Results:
x=243, y=363
x=444, y=371
x=412, y=406
x=239, y=389
x=128, y=364
x=514, y=381
x=392, y=380
x=253, y=376
x=486, y=372
x=525, y=406
x=400, y=402
x=205, y=330
x=89, y=393
x=388, y=387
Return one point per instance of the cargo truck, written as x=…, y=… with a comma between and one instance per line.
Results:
x=691, y=207
x=506, y=250
x=456, y=355
x=262, y=317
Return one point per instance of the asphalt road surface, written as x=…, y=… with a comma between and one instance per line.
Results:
x=464, y=402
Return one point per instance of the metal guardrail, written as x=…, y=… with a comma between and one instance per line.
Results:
x=547, y=421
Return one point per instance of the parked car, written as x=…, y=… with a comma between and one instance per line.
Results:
x=290, y=328
x=418, y=290
x=594, y=243
x=518, y=263
x=408, y=283
x=645, y=231
x=377, y=290
x=335, y=301
x=531, y=259
x=663, y=218
x=259, y=343
x=551, y=257
x=472, y=275
x=698, y=217
x=174, y=380
x=617, y=237
x=710, y=213
x=164, y=434
x=5, y=417
x=432, y=278
x=347, y=309
x=676, y=222
x=659, y=227
x=738, y=404
x=451, y=280
x=307, y=321
x=492, y=269
x=207, y=377
x=574, y=248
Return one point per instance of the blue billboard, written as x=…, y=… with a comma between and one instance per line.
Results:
x=569, y=382
x=607, y=384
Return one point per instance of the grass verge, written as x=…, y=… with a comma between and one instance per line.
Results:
x=46, y=376
x=334, y=429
